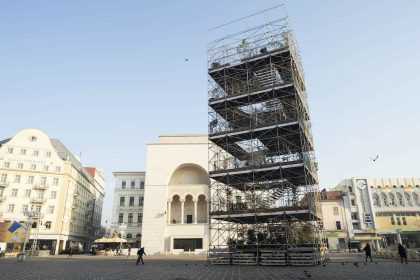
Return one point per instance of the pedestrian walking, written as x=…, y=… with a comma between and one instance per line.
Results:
x=70, y=253
x=140, y=254
x=368, y=252
x=129, y=251
x=402, y=253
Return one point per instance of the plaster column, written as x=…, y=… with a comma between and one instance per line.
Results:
x=169, y=211
x=208, y=211
x=182, y=210
x=195, y=210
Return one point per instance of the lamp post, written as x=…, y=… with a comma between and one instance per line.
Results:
x=29, y=214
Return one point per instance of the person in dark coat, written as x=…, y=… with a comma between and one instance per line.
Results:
x=70, y=253
x=140, y=254
x=368, y=252
x=402, y=253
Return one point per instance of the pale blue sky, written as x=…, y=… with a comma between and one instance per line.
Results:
x=107, y=77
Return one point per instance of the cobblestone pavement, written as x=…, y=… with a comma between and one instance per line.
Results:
x=90, y=267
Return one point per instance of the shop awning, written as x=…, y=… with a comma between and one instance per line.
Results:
x=367, y=238
x=111, y=240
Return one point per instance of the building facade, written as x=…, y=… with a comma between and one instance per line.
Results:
x=41, y=174
x=128, y=205
x=176, y=195
x=335, y=220
x=383, y=211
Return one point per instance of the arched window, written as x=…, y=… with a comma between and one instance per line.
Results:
x=202, y=209
x=391, y=199
x=408, y=199
x=376, y=200
x=138, y=235
x=385, y=199
x=175, y=210
x=415, y=199
x=400, y=199
x=129, y=235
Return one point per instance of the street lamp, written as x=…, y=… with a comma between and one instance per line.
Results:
x=29, y=214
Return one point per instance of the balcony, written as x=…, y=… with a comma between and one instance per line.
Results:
x=40, y=187
x=2, y=198
x=38, y=200
x=4, y=184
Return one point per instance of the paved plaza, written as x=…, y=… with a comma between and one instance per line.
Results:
x=92, y=267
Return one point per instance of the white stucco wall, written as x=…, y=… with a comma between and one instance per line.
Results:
x=163, y=158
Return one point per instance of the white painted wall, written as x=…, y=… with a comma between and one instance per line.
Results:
x=163, y=158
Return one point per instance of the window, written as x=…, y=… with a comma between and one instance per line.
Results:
x=20, y=165
x=43, y=180
x=353, y=202
x=46, y=167
x=25, y=208
x=58, y=169
x=141, y=201
x=3, y=178
x=140, y=218
x=30, y=179
x=129, y=235
x=356, y=226
x=27, y=193
x=35, y=153
x=38, y=208
x=33, y=166
x=123, y=184
x=335, y=210
x=130, y=218
x=48, y=225
x=40, y=194
x=131, y=202
x=6, y=164
x=14, y=192
x=23, y=151
x=141, y=185
x=133, y=184
x=17, y=179
x=120, y=218
x=10, y=208
x=55, y=182
x=48, y=154
x=354, y=216
x=50, y=209
x=404, y=221
x=10, y=150
x=398, y=221
x=122, y=201
x=188, y=244
x=189, y=219
x=392, y=220
x=338, y=225
x=402, y=186
x=350, y=189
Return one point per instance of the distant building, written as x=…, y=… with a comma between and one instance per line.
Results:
x=41, y=174
x=383, y=211
x=335, y=220
x=128, y=205
x=176, y=195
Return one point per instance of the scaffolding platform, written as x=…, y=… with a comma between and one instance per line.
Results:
x=264, y=205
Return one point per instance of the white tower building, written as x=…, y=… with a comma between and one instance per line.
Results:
x=176, y=195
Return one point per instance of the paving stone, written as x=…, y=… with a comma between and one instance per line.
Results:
x=84, y=267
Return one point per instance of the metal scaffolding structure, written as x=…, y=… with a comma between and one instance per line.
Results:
x=264, y=184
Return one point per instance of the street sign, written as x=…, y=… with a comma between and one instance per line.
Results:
x=14, y=227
